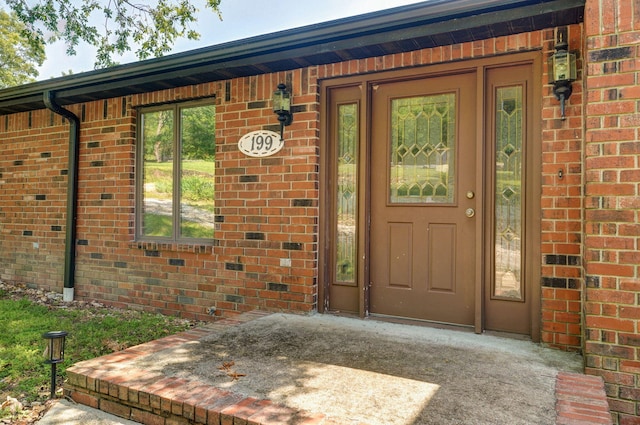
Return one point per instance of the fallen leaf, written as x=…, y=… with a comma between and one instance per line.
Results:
x=12, y=405
x=227, y=365
x=234, y=375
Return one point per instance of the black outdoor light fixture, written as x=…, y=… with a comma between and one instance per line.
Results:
x=282, y=107
x=54, y=353
x=562, y=72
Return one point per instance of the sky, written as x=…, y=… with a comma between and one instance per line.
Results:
x=240, y=19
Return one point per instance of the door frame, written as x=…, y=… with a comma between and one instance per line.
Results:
x=534, y=166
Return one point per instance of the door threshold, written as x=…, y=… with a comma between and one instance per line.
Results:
x=340, y=313
x=421, y=322
x=509, y=335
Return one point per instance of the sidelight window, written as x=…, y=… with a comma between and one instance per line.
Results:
x=347, y=195
x=508, y=193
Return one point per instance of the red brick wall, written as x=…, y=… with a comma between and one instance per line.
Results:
x=267, y=209
x=561, y=202
x=612, y=201
x=33, y=169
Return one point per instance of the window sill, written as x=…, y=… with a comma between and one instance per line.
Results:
x=195, y=248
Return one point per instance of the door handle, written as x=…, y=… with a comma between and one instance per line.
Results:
x=470, y=212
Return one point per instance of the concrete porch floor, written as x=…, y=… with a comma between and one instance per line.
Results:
x=261, y=368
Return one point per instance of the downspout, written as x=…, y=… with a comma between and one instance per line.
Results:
x=72, y=194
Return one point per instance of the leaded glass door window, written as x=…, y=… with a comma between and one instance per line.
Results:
x=423, y=135
x=344, y=169
x=508, y=193
x=347, y=192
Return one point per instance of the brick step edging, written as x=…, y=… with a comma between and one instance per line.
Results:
x=113, y=384
x=581, y=400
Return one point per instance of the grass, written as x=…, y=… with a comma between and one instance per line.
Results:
x=92, y=332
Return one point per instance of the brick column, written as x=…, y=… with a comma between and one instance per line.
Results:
x=612, y=201
x=561, y=202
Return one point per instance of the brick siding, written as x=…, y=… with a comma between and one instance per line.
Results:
x=266, y=208
x=561, y=203
x=33, y=181
x=612, y=201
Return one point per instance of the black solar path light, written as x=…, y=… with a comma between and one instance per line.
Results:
x=54, y=353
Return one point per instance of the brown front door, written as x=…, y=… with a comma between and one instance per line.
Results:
x=423, y=199
x=432, y=194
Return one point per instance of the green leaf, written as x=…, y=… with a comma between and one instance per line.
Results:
x=19, y=54
x=150, y=28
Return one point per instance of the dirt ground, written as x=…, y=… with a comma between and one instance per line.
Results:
x=376, y=372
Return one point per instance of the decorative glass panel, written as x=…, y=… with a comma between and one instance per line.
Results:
x=197, y=167
x=423, y=149
x=508, y=189
x=347, y=179
x=157, y=203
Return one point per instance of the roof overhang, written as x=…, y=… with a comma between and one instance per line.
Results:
x=402, y=29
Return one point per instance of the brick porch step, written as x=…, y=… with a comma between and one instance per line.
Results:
x=581, y=400
x=112, y=384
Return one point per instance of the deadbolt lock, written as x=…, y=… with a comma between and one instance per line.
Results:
x=470, y=194
x=470, y=212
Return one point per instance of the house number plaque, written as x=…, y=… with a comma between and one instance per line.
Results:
x=260, y=143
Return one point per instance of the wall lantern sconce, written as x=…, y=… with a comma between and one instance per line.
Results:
x=562, y=73
x=282, y=107
x=54, y=353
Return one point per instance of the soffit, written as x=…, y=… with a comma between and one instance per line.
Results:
x=423, y=25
